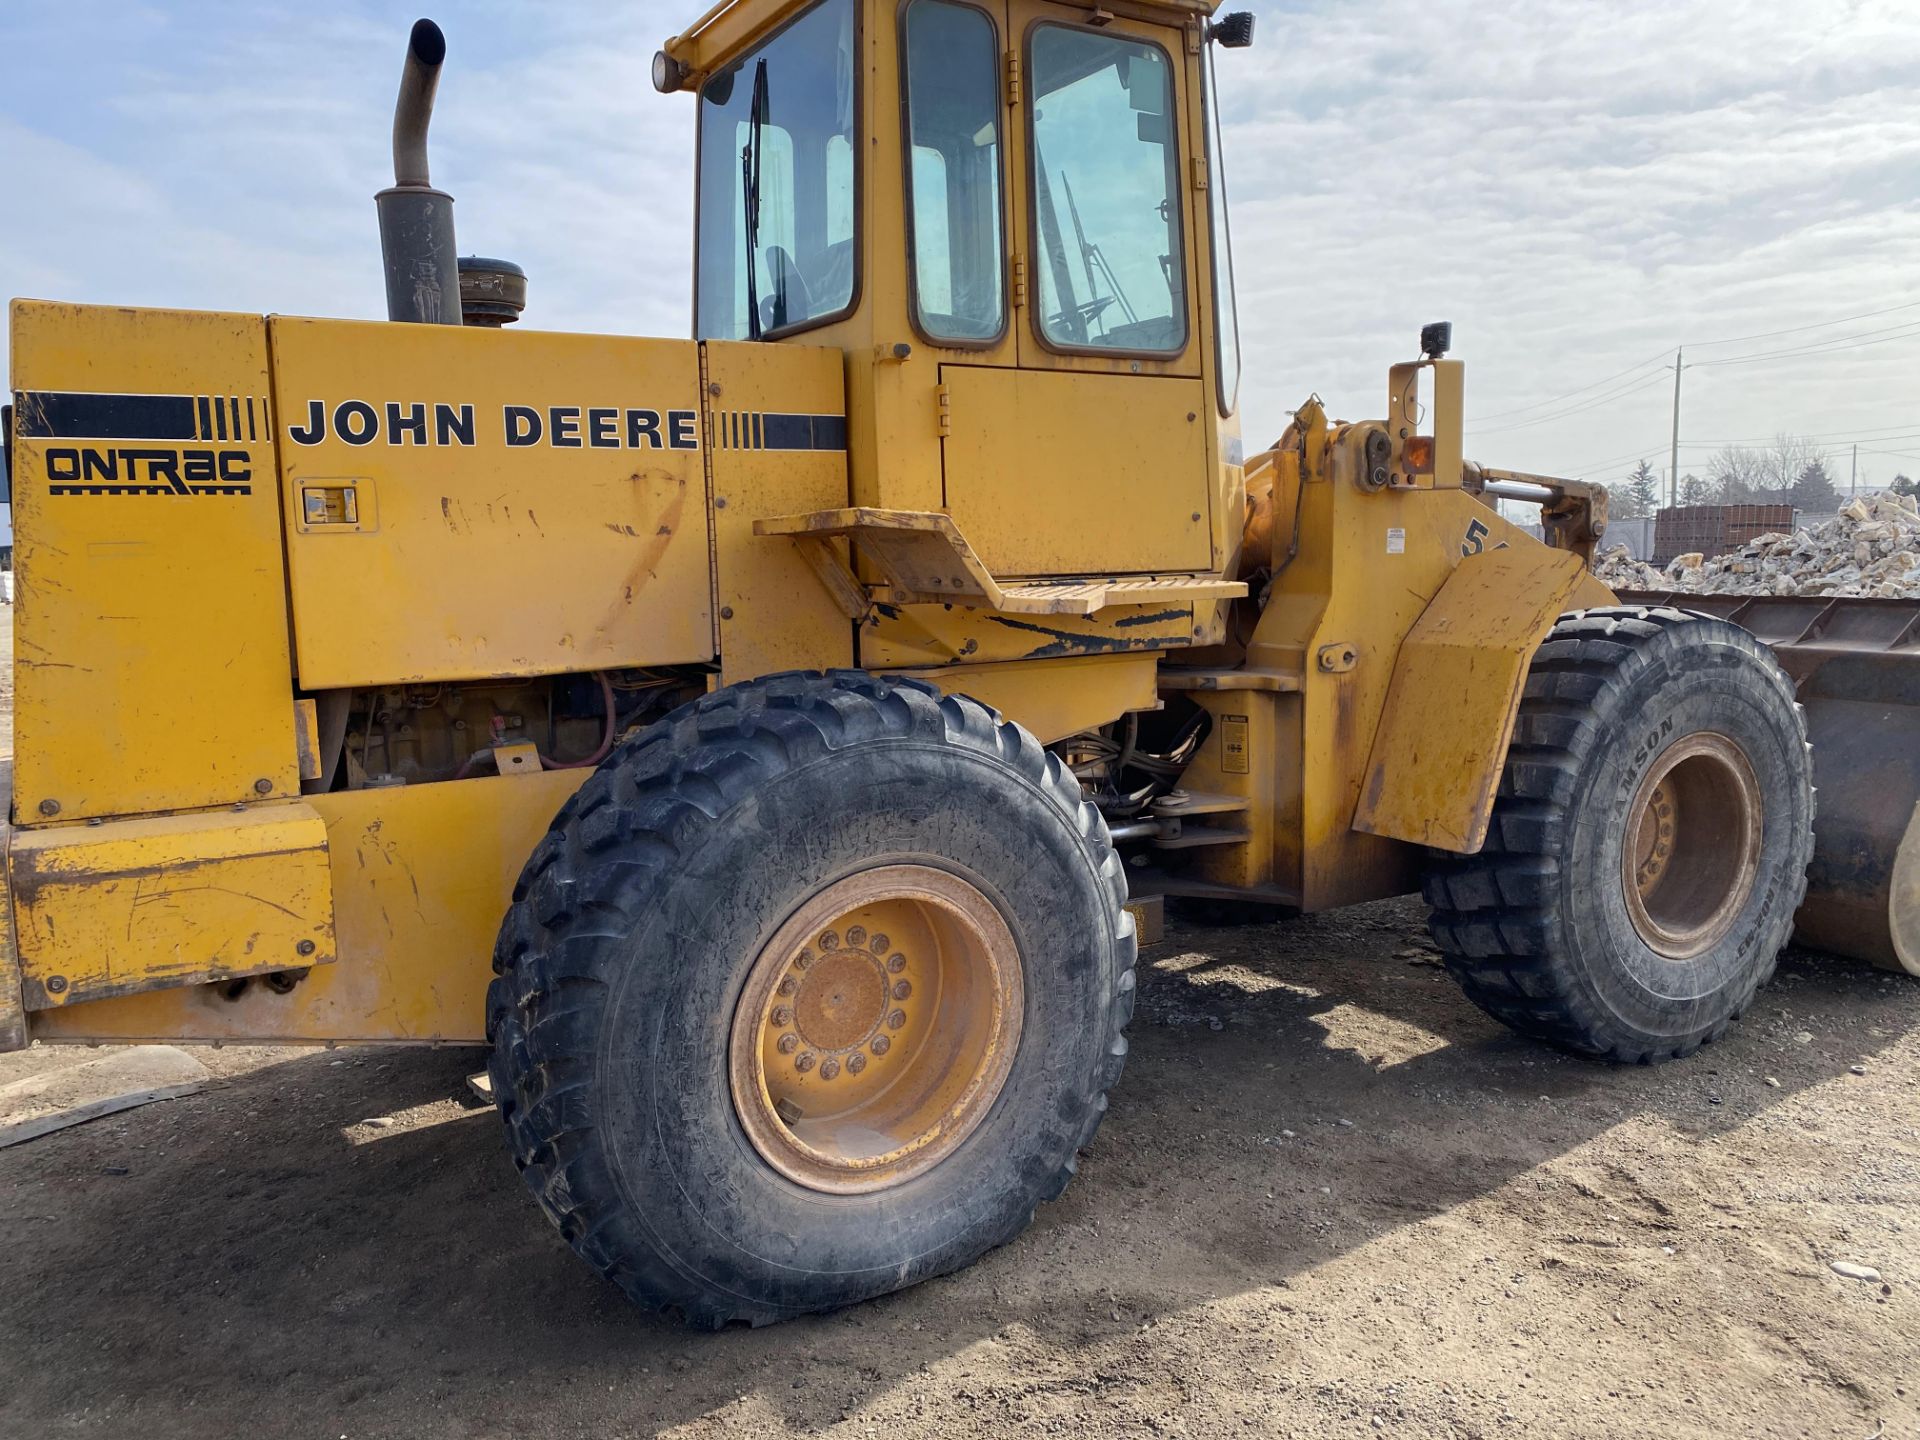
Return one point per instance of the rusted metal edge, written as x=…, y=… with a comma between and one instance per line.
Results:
x=13, y=1000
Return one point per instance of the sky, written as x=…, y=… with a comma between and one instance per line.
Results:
x=1579, y=187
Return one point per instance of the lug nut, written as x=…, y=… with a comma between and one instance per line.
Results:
x=896, y=1019
x=783, y=1014
x=856, y=1062
x=878, y=944
x=789, y=1043
x=829, y=940
x=901, y=989
x=881, y=1044
x=829, y=1068
x=896, y=963
x=788, y=985
x=856, y=935
x=803, y=1062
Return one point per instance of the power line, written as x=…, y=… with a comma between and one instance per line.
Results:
x=1632, y=388
x=1823, y=442
x=1587, y=467
x=1833, y=345
x=1870, y=432
x=1522, y=409
x=1826, y=347
x=1799, y=329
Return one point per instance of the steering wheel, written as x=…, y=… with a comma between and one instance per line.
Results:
x=1081, y=314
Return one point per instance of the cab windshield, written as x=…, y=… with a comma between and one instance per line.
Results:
x=775, y=249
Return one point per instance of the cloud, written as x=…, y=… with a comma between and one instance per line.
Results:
x=1578, y=187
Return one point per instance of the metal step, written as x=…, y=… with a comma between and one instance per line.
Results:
x=926, y=560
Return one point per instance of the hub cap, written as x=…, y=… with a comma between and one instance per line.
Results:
x=876, y=1029
x=1692, y=845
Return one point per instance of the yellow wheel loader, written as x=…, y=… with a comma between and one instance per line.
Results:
x=753, y=739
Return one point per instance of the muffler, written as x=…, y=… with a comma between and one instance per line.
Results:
x=416, y=220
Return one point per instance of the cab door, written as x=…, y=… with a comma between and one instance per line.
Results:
x=1089, y=457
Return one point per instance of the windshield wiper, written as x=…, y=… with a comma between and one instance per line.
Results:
x=750, y=181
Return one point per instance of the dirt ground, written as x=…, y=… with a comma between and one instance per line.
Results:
x=1331, y=1198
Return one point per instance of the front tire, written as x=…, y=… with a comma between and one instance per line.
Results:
x=811, y=992
x=1649, y=842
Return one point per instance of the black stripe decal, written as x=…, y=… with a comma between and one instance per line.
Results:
x=58, y=489
x=233, y=404
x=759, y=442
x=252, y=433
x=59, y=415
x=220, y=417
x=804, y=432
x=206, y=420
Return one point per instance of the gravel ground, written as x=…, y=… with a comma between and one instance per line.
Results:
x=1331, y=1198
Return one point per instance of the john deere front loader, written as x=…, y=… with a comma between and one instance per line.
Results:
x=752, y=738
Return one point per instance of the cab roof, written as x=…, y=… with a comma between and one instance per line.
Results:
x=732, y=25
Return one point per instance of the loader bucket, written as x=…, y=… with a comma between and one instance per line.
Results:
x=1856, y=663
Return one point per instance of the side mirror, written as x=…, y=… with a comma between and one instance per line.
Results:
x=1234, y=31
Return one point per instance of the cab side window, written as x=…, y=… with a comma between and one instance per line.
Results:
x=952, y=75
x=1106, y=201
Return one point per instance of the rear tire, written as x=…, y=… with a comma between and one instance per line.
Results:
x=1649, y=842
x=687, y=1067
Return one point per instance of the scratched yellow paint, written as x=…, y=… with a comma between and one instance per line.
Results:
x=490, y=558
x=896, y=637
x=1450, y=710
x=134, y=904
x=1056, y=698
x=421, y=876
x=774, y=612
x=150, y=626
x=1053, y=473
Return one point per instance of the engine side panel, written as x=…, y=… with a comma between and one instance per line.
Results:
x=421, y=875
x=150, y=624
x=472, y=503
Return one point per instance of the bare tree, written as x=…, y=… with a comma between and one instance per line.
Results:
x=1742, y=475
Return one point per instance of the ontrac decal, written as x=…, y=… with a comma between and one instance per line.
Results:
x=561, y=427
x=144, y=444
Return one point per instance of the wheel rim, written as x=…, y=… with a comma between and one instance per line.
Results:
x=876, y=1029
x=1691, y=851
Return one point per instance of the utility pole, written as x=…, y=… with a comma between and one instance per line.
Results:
x=1673, y=469
x=1853, y=480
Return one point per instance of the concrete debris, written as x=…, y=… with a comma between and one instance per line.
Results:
x=1872, y=547
x=1851, y=1271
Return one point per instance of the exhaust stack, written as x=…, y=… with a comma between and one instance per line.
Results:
x=416, y=221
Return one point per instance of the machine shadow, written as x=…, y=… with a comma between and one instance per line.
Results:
x=1264, y=1126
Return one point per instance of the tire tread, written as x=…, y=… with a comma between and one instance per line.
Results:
x=1490, y=913
x=612, y=845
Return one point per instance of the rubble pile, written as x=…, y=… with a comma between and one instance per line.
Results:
x=1870, y=548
